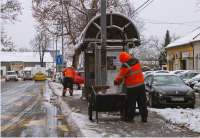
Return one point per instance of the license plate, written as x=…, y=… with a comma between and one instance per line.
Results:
x=178, y=99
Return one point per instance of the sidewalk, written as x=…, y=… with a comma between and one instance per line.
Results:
x=76, y=113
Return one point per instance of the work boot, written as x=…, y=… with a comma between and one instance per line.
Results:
x=144, y=120
x=71, y=93
x=63, y=94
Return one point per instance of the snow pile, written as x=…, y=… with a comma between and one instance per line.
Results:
x=59, y=88
x=189, y=118
x=87, y=128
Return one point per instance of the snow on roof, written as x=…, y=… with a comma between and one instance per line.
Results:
x=24, y=57
x=191, y=37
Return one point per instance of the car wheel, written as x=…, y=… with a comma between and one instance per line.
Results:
x=191, y=106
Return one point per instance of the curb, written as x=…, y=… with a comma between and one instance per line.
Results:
x=66, y=111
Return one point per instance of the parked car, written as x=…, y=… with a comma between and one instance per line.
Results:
x=147, y=72
x=193, y=81
x=11, y=75
x=188, y=74
x=167, y=90
x=39, y=76
x=161, y=71
x=197, y=87
x=176, y=71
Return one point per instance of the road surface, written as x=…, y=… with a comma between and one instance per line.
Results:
x=29, y=109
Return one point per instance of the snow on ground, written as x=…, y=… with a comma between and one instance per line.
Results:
x=189, y=118
x=86, y=127
x=58, y=89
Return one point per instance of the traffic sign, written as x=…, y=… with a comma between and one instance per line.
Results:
x=59, y=60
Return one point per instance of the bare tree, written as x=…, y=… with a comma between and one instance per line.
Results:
x=40, y=44
x=10, y=9
x=149, y=50
x=6, y=42
x=76, y=14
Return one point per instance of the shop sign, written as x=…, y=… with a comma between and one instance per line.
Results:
x=185, y=54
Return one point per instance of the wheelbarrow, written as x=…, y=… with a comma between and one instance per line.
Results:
x=102, y=101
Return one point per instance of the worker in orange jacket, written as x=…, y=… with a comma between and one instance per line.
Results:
x=68, y=78
x=131, y=75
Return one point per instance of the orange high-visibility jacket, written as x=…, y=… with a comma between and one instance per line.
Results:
x=130, y=72
x=69, y=72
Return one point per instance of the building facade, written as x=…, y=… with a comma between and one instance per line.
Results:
x=18, y=60
x=184, y=53
x=196, y=46
x=180, y=57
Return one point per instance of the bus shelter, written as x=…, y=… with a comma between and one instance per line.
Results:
x=122, y=35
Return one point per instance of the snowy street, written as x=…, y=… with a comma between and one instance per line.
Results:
x=29, y=109
x=159, y=124
x=80, y=68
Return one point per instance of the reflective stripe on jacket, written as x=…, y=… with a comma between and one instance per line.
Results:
x=69, y=72
x=131, y=74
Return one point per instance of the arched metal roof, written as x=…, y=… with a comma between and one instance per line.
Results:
x=120, y=30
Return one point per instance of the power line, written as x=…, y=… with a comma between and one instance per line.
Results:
x=141, y=5
x=165, y=22
x=144, y=5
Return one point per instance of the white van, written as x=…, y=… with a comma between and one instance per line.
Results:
x=28, y=73
x=11, y=75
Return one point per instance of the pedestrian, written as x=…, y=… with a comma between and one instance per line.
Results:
x=131, y=75
x=68, y=78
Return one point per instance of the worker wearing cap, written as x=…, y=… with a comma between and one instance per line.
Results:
x=131, y=75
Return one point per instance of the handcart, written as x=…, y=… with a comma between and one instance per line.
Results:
x=102, y=101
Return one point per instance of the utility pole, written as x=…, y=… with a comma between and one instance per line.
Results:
x=103, y=43
x=56, y=50
x=62, y=33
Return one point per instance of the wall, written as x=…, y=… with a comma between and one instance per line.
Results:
x=196, y=55
x=179, y=54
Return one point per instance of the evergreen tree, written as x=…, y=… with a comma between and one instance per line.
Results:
x=163, y=53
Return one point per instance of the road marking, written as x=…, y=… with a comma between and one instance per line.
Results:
x=35, y=123
x=6, y=117
x=60, y=117
x=63, y=128
x=13, y=122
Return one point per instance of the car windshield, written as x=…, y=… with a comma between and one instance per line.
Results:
x=11, y=73
x=178, y=72
x=188, y=75
x=197, y=77
x=167, y=80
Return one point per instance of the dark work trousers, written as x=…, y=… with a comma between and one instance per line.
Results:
x=136, y=94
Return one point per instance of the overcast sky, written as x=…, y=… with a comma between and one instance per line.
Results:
x=159, y=16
